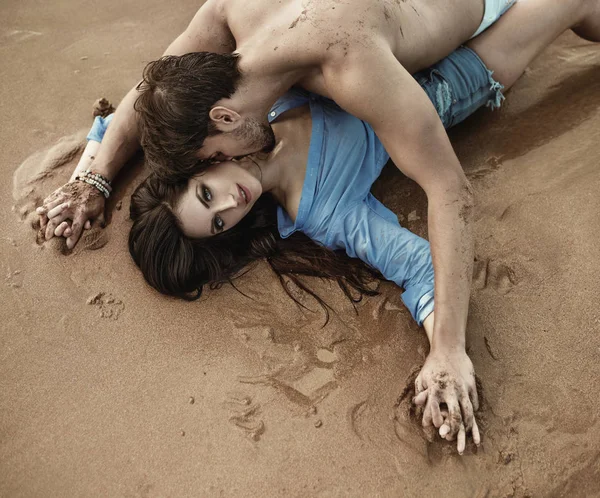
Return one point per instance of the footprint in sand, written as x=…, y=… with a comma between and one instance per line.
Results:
x=488, y=273
x=108, y=305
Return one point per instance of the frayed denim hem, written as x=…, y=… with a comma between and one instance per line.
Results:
x=495, y=86
x=443, y=97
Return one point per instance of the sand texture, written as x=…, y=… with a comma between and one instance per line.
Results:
x=109, y=389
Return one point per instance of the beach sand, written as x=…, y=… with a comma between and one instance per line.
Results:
x=110, y=389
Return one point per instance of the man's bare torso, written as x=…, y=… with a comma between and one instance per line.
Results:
x=289, y=41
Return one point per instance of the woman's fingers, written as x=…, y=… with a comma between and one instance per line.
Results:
x=474, y=398
x=475, y=433
x=47, y=206
x=419, y=387
x=444, y=430
x=43, y=219
x=55, y=211
x=60, y=229
x=462, y=439
x=421, y=398
x=467, y=411
x=42, y=211
x=76, y=229
x=436, y=415
x=53, y=224
x=427, y=421
x=432, y=410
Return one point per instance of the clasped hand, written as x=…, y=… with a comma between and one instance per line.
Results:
x=69, y=210
x=446, y=389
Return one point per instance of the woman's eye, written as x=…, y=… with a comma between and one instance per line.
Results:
x=219, y=223
x=206, y=194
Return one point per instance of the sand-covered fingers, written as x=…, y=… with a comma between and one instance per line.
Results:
x=55, y=199
x=464, y=430
x=60, y=229
x=76, y=229
x=449, y=380
x=467, y=409
x=54, y=223
x=462, y=439
x=452, y=422
x=469, y=405
x=55, y=211
x=421, y=398
x=436, y=414
x=475, y=433
x=68, y=231
x=474, y=397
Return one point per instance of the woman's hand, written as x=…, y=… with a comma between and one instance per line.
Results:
x=447, y=377
x=75, y=201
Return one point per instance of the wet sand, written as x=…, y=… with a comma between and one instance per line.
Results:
x=109, y=389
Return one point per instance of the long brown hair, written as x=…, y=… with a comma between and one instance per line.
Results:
x=177, y=265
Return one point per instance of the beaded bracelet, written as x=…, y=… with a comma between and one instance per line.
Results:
x=99, y=186
x=96, y=180
x=98, y=177
x=94, y=183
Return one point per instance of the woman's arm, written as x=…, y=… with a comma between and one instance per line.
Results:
x=371, y=232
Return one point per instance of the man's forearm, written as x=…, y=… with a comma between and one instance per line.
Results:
x=121, y=140
x=451, y=240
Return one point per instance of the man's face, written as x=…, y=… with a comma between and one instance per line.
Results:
x=249, y=137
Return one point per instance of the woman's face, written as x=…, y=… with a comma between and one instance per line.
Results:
x=219, y=198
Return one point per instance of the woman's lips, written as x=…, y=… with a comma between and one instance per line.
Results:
x=247, y=196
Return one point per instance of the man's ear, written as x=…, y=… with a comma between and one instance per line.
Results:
x=224, y=119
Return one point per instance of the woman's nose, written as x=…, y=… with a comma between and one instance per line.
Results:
x=229, y=201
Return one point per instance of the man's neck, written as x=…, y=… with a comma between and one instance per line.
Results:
x=257, y=91
x=285, y=167
x=255, y=97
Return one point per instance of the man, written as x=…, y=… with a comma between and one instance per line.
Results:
x=361, y=53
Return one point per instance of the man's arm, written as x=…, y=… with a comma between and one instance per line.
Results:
x=208, y=31
x=372, y=85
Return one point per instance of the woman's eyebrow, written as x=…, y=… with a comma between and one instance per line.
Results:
x=199, y=197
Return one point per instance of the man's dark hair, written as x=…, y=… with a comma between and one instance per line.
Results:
x=176, y=96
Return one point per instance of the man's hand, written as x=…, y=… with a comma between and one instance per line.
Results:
x=447, y=377
x=75, y=201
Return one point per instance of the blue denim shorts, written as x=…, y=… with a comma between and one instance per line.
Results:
x=459, y=85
